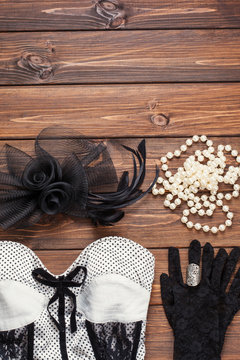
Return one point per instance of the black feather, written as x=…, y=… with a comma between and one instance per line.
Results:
x=103, y=206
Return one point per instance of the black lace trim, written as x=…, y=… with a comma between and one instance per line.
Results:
x=114, y=341
x=17, y=344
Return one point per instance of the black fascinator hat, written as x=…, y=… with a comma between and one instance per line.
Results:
x=67, y=174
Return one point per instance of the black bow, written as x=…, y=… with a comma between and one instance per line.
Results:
x=62, y=285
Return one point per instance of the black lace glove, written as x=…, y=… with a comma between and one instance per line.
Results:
x=200, y=315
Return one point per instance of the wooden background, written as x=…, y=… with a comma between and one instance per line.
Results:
x=164, y=70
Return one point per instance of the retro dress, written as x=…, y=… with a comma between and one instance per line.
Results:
x=95, y=310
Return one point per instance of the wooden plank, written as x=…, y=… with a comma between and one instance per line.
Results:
x=159, y=337
x=147, y=222
x=129, y=110
x=18, y=15
x=128, y=56
x=58, y=261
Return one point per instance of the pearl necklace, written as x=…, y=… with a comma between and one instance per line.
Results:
x=201, y=171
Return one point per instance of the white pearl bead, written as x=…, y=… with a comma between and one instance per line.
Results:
x=163, y=159
x=236, y=187
x=235, y=194
x=197, y=184
x=203, y=138
x=214, y=229
x=177, y=153
x=195, y=190
x=166, y=203
x=195, y=138
x=238, y=159
x=189, y=224
x=190, y=203
x=204, y=197
x=212, y=207
x=177, y=202
x=206, y=203
x=174, y=192
x=198, y=226
x=193, y=210
x=159, y=180
x=172, y=206
x=221, y=147
x=164, y=167
x=228, y=222
x=191, y=196
x=201, y=212
x=169, y=197
x=183, y=148
x=209, y=212
x=228, y=148
x=219, y=202
x=220, y=196
x=222, y=227
x=186, y=212
x=189, y=142
x=168, y=174
x=181, y=195
x=230, y=215
x=161, y=191
x=226, y=179
x=198, y=206
x=212, y=198
x=171, y=179
x=206, y=153
x=155, y=191
x=228, y=196
x=206, y=228
x=184, y=219
x=169, y=155
x=198, y=152
x=234, y=153
x=200, y=158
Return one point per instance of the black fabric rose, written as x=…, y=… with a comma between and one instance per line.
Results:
x=56, y=198
x=67, y=174
x=41, y=172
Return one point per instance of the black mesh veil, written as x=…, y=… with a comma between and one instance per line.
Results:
x=66, y=174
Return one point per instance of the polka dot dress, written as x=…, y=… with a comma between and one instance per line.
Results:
x=110, y=255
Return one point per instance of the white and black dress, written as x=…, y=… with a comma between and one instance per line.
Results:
x=95, y=310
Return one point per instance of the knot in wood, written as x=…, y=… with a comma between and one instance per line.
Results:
x=38, y=63
x=117, y=22
x=160, y=120
x=113, y=12
x=109, y=5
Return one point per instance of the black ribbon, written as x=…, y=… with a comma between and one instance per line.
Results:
x=62, y=285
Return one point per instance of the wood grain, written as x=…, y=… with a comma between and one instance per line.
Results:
x=171, y=71
x=122, y=57
x=129, y=110
x=18, y=15
x=147, y=222
x=159, y=338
